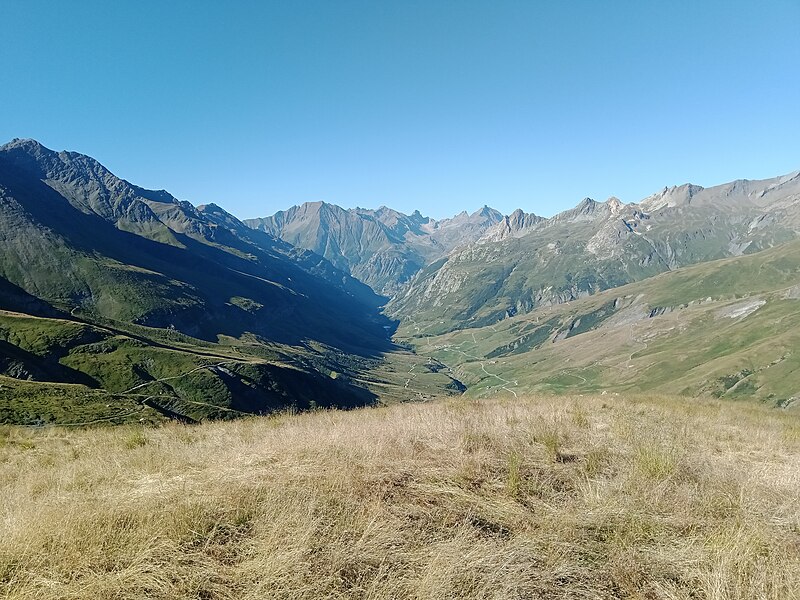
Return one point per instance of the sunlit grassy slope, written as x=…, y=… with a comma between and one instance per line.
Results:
x=573, y=497
x=726, y=328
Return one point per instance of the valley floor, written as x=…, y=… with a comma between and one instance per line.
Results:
x=535, y=497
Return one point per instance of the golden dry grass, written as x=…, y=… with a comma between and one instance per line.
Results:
x=582, y=497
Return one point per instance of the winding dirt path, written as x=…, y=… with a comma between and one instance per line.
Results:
x=410, y=372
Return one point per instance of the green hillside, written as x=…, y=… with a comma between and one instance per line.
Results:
x=67, y=371
x=727, y=328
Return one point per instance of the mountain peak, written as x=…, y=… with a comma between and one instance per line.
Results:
x=34, y=156
x=23, y=143
x=615, y=204
x=382, y=247
x=517, y=224
x=670, y=197
x=29, y=151
x=586, y=206
x=488, y=212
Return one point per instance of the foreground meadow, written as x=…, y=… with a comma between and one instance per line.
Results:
x=570, y=497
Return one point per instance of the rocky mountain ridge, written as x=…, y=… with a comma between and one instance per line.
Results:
x=526, y=261
x=383, y=248
x=68, y=245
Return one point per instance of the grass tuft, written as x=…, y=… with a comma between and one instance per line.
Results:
x=136, y=439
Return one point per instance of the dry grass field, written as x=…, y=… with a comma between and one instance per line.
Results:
x=570, y=497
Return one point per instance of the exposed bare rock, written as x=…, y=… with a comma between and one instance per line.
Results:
x=526, y=261
x=382, y=247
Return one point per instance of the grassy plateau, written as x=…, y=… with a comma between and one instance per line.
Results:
x=535, y=497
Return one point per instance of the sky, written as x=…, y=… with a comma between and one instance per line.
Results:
x=435, y=105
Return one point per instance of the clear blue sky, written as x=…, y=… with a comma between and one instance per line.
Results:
x=436, y=105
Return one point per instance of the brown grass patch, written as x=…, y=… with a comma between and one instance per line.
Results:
x=530, y=498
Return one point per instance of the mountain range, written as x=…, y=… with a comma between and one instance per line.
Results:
x=383, y=248
x=120, y=303
x=525, y=261
x=119, y=289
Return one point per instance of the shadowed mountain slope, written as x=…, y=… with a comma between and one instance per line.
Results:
x=76, y=236
x=148, y=299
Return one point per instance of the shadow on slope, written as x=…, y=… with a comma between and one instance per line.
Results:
x=21, y=364
x=200, y=289
x=13, y=298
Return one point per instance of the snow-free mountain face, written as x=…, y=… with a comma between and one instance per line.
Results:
x=131, y=293
x=525, y=261
x=477, y=269
x=76, y=235
x=383, y=248
x=144, y=301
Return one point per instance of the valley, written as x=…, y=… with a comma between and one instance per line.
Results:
x=400, y=300
x=121, y=304
x=689, y=291
x=122, y=373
